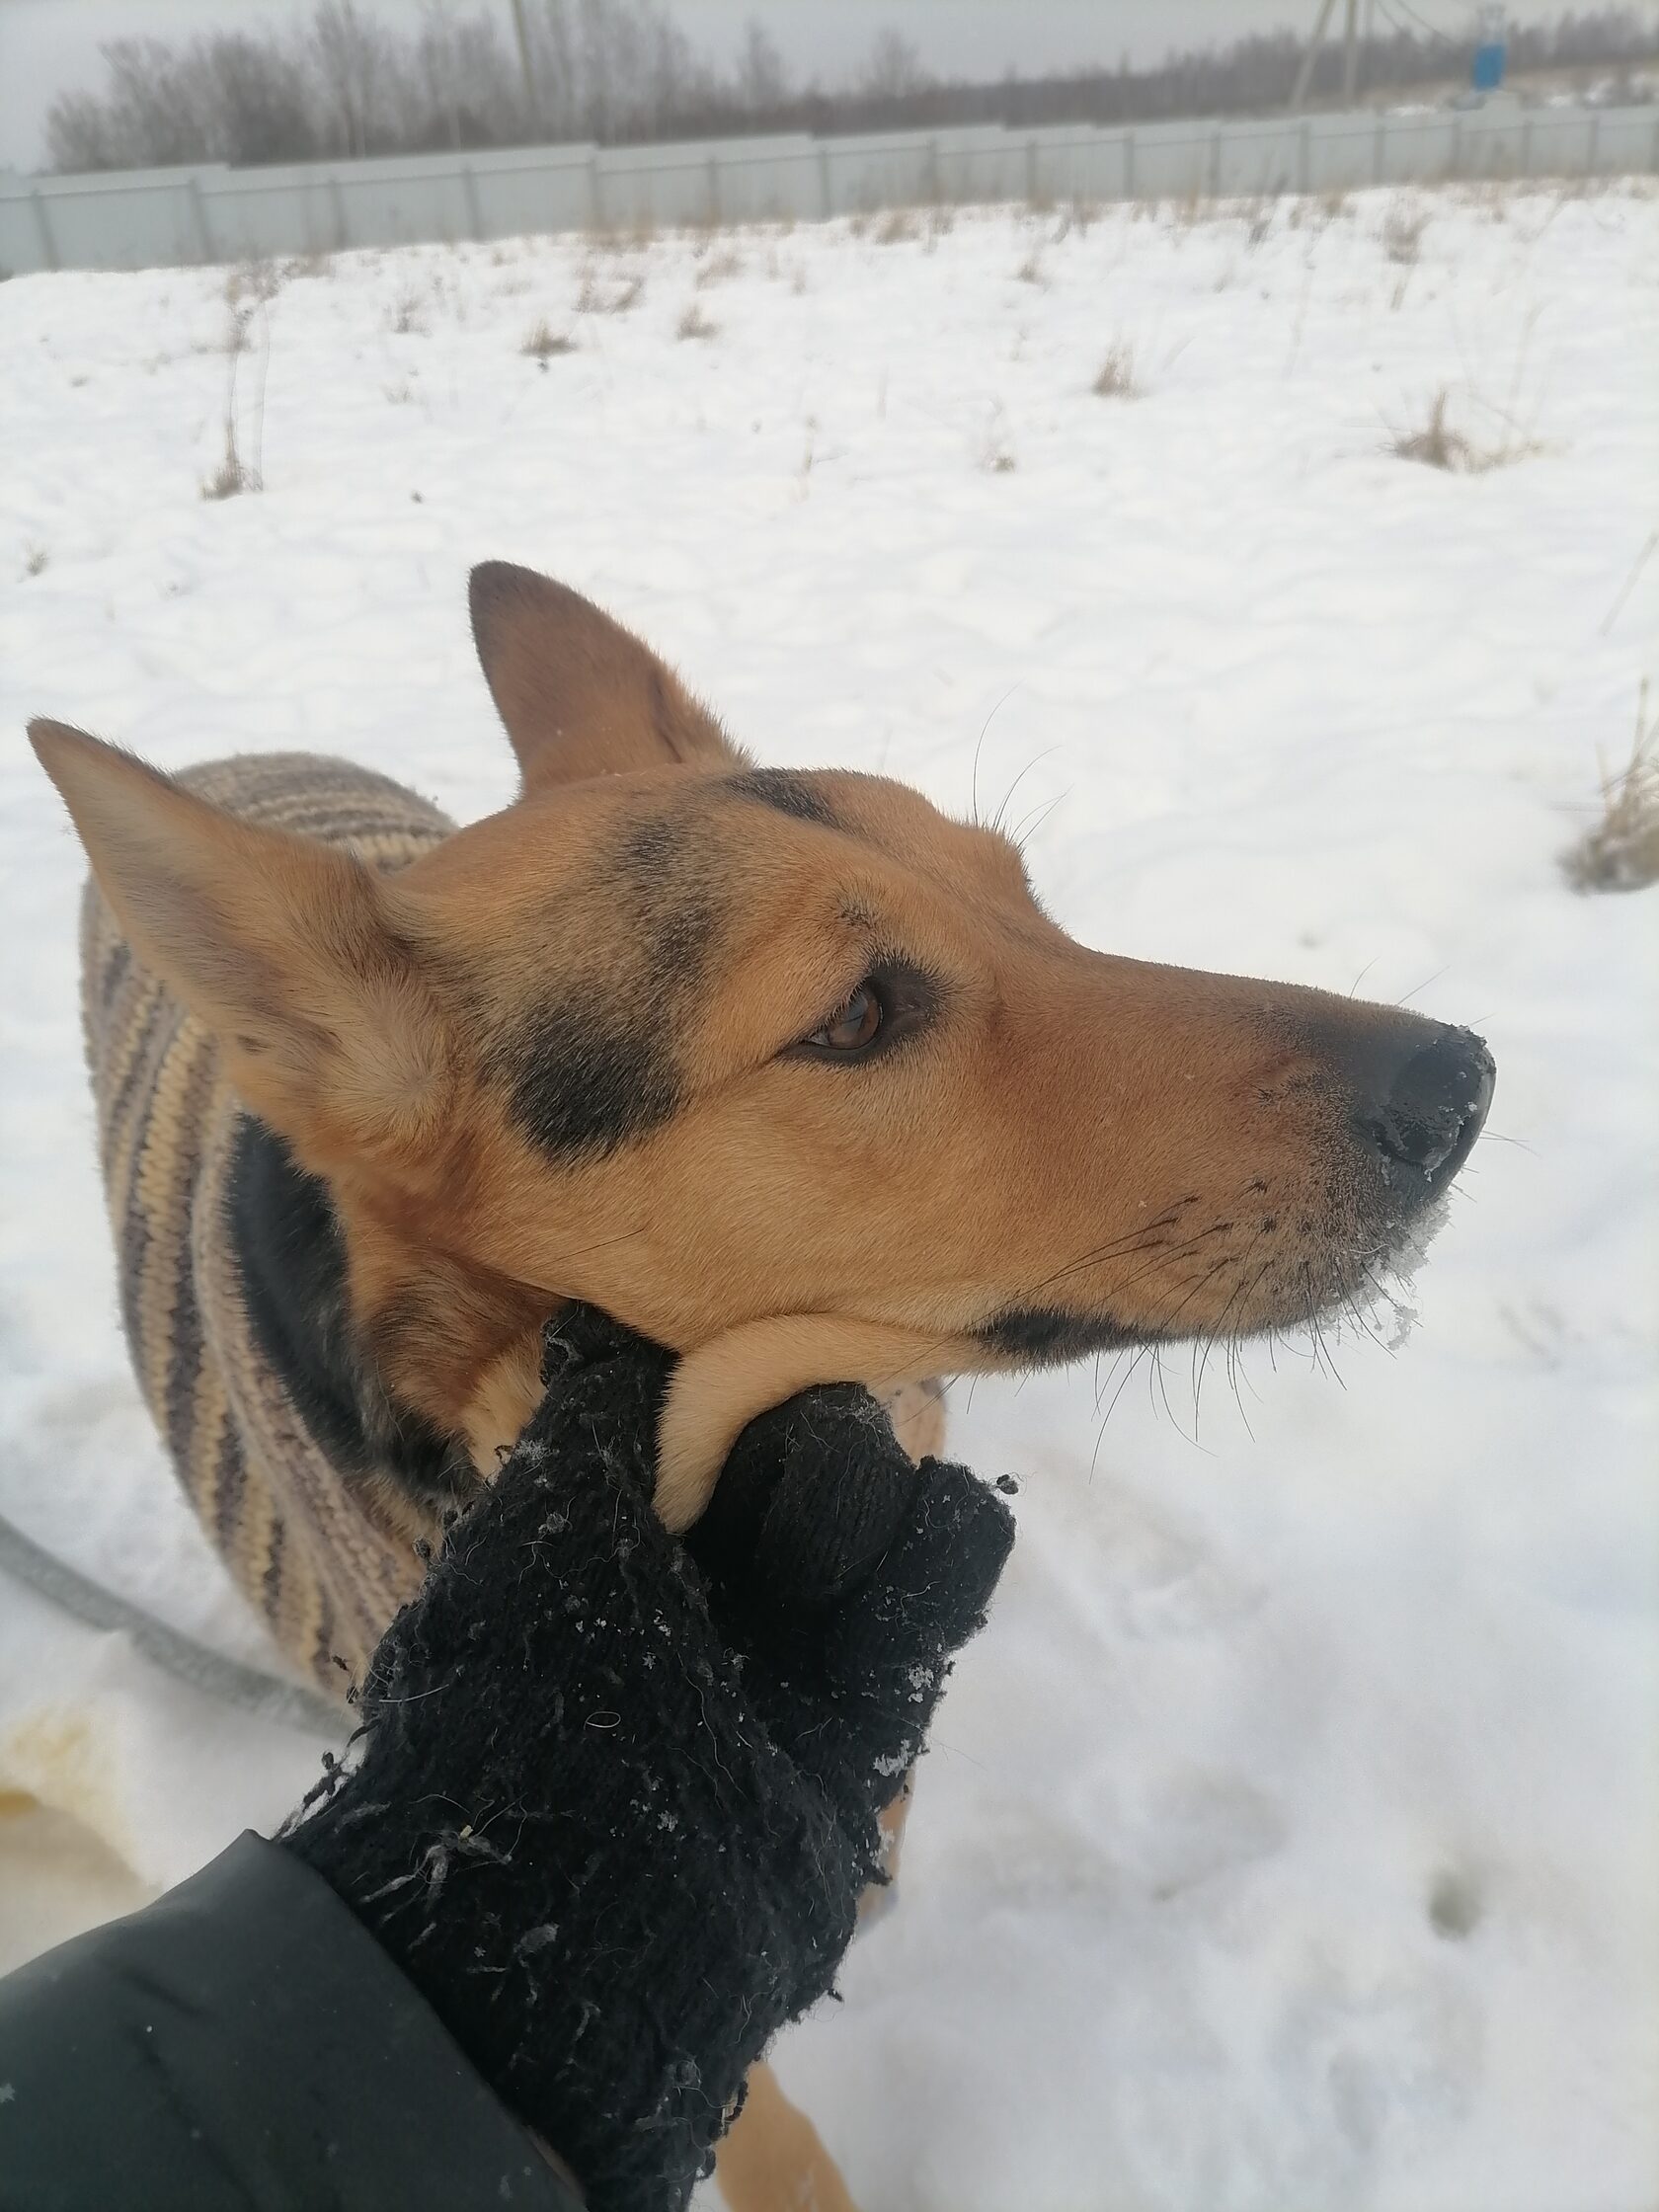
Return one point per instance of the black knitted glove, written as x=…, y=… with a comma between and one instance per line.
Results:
x=611, y=1817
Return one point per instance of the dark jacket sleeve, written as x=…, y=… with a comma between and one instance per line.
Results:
x=245, y=2043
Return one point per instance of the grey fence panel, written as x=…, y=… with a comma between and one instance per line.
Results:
x=637, y=195
x=1628, y=140
x=778, y=184
x=178, y=216
x=712, y=181
x=1171, y=159
x=1264, y=157
x=1490, y=146
x=518, y=194
x=1071, y=163
x=256, y=214
x=979, y=165
x=864, y=174
x=404, y=209
x=23, y=242
x=1101, y=166
x=1421, y=150
x=137, y=218
x=1342, y=152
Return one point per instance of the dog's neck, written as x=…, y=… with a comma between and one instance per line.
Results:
x=291, y=1259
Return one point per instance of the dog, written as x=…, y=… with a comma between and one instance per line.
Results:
x=719, y=1048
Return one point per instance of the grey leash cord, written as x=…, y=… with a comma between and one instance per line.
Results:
x=181, y=1656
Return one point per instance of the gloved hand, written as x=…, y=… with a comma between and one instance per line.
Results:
x=614, y=1808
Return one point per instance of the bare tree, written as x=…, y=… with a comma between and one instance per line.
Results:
x=762, y=82
x=346, y=84
x=894, y=68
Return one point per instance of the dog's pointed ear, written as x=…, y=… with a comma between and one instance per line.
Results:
x=581, y=696
x=290, y=951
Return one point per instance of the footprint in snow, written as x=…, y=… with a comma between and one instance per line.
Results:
x=1390, y=2062
x=1159, y=1582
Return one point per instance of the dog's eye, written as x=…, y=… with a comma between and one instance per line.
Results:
x=897, y=1000
x=850, y=1027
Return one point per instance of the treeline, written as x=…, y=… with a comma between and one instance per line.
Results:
x=617, y=71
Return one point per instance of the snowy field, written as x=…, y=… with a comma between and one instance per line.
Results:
x=1289, y=1841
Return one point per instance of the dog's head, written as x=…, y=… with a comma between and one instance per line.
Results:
x=788, y=1071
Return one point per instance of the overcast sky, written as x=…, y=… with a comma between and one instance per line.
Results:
x=49, y=46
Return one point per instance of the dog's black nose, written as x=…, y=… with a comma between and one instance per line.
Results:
x=1434, y=1107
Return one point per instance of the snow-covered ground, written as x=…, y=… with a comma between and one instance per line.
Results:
x=1289, y=1839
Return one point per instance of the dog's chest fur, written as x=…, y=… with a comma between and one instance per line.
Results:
x=281, y=1466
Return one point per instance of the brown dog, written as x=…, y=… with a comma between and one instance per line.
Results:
x=721, y=1050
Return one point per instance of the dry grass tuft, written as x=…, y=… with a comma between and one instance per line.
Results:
x=1621, y=851
x=594, y=297
x=1118, y=377
x=899, y=227
x=237, y=472
x=1435, y=442
x=233, y=474
x=719, y=269
x=1439, y=442
x=994, y=455
x=1031, y=270
x=543, y=342
x=406, y=317
x=254, y=282
x=693, y=323
x=35, y=559
x=1402, y=233
x=1078, y=215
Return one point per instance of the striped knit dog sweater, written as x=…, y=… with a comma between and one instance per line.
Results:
x=309, y=1552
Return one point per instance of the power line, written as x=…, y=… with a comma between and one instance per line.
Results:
x=1422, y=22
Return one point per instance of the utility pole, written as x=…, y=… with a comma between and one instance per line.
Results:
x=531, y=103
x=1304, y=75
x=1351, y=53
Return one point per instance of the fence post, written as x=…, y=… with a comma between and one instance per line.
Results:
x=48, y=244
x=1031, y=171
x=825, y=192
x=1456, y=168
x=469, y=185
x=1129, y=165
x=1379, y=151
x=933, y=169
x=1527, y=145
x=714, y=191
x=199, y=208
x=337, y=199
x=596, y=201
x=1215, y=163
x=1594, y=147
x=1304, y=156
